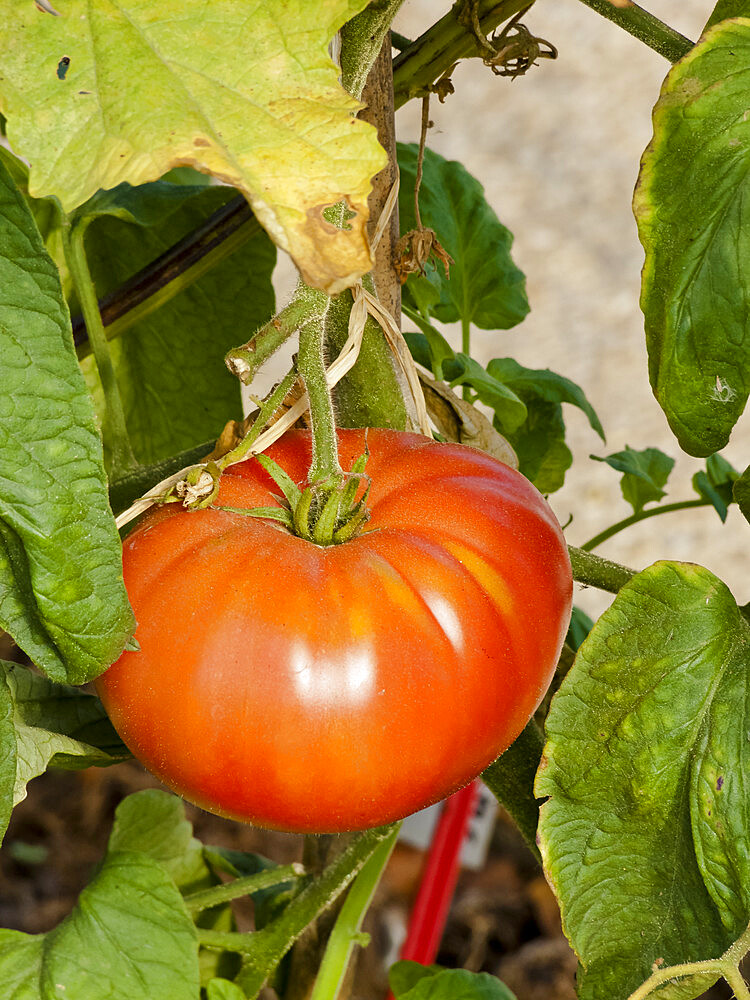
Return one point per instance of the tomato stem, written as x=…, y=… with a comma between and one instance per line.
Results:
x=597, y=572
x=245, y=886
x=264, y=949
x=114, y=428
x=626, y=522
x=312, y=369
x=347, y=931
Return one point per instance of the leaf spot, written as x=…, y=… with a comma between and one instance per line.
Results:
x=722, y=392
x=200, y=141
x=719, y=783
x=62, y=67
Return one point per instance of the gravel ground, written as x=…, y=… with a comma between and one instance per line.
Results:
x=558, y=154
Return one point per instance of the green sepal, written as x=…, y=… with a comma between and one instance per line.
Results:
x=326, y=521
x=279, y=514
x=286, y=484
x=301, y=514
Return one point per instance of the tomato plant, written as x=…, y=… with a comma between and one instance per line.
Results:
x=296, y=636
x=321, y=688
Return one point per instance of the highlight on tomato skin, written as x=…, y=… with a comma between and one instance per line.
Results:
x=327, y=688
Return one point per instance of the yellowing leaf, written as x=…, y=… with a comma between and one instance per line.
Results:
x=124, y=90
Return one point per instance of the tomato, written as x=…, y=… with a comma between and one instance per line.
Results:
x=314, y=689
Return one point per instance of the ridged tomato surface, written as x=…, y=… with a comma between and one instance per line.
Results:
x=333, y=688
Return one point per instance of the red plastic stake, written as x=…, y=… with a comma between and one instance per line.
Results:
x=430, y=912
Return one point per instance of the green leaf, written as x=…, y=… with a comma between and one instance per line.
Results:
x=434, y=350
x=411, y=981
x=579, y=628
x=485, y=286
x=45, y=724
x=8, y=754
x=510, y=411
x=725, y=9
x=716, y=484
x=223, y=989
x=153, y=822
x=539, y=441
x=741, y=493
x=61, y=592
x=259, y=107
x=647, y=849
x=403, y=976
x=128, y=938
x=644, y=474
x=21, y=957
x=691, y=205
x=175, y=387
x=544, y=384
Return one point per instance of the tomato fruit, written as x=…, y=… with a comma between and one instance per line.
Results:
x=315, y=689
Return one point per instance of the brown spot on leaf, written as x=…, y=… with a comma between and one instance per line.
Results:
x=200, y=141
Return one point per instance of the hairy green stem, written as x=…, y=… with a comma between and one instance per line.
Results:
x=244, y=886
x=347, y=931
x=312, y=369
x=264, y=949
x=114, y=427
x=626, y=522
x=596, y=572
x=466, y=348
x=267, y=408
x=511, y=780
x=245, y=361
x=361, y=40
x=727, y=966
x=645, y=27
x=445, y=43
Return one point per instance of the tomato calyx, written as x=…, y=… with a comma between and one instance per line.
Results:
x=327, y=512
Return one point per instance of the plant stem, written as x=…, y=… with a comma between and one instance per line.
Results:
x=466, y=349
x=265, y=948
x=188, y=260
x=114, y=427
x=645, y=27
x=245, y=361
x=597, y=572
x=626, y=522
x=442, y=45
x=268, y=407
x=244, y=886
x=346, y=932
x=361, y=41
x=312, y=370
x=737, y=984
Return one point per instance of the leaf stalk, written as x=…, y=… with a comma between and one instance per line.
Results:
x=593, y=571
x=626, y=522
x=645, y=27
x=347, y=931
x=114, y=429
x=244, y=886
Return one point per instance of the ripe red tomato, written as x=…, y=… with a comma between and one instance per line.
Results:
x=315, y=689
